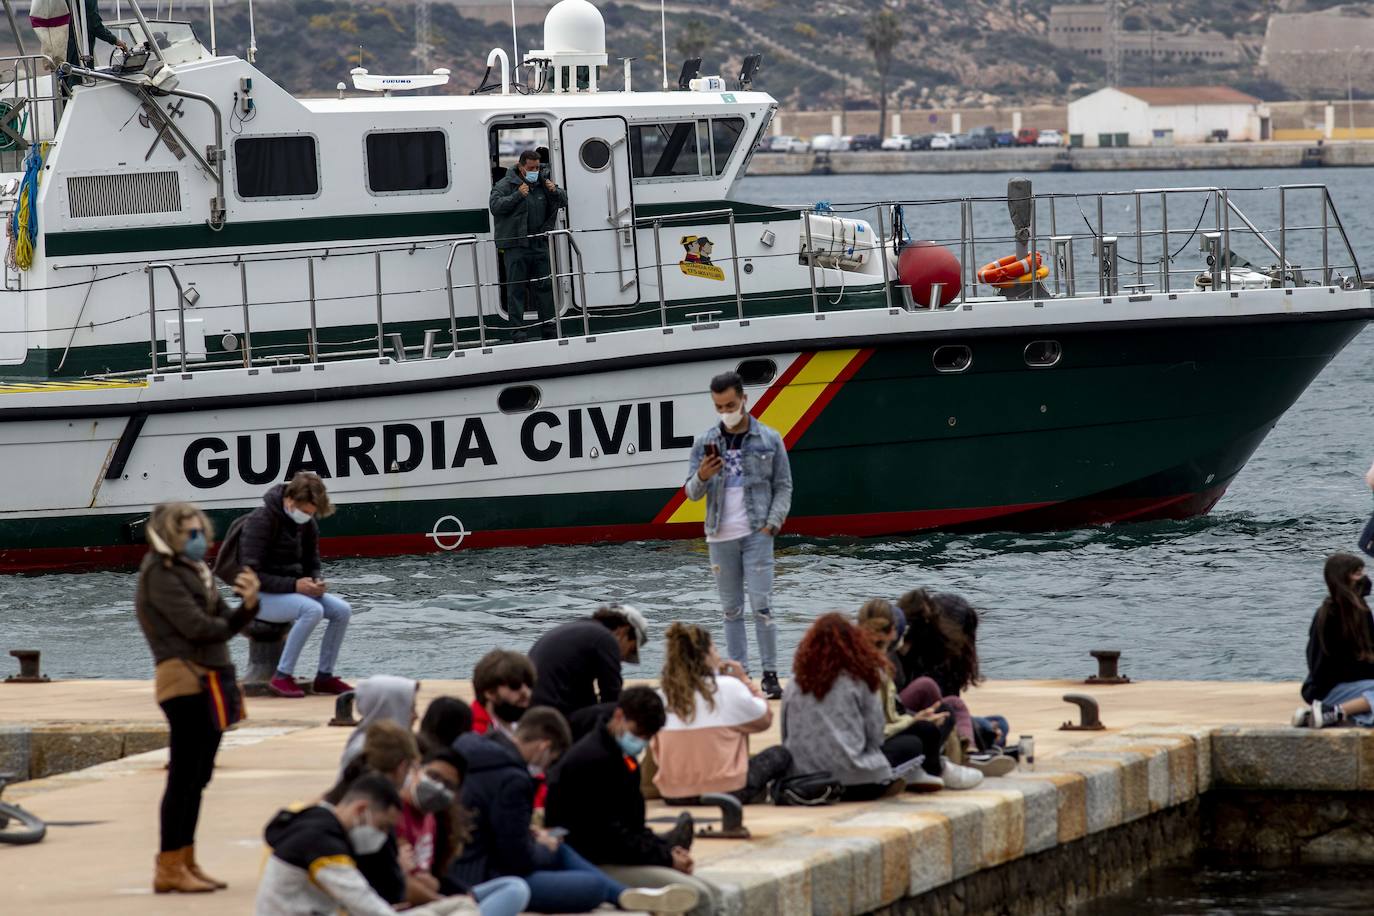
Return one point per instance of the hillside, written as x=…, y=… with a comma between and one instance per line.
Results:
x=950, y=53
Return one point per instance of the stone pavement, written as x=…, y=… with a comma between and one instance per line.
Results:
x=98, y=855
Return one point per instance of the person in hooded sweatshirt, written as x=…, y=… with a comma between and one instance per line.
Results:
x=312, y=870
x=280, y=541
x=381, y=698
x=498, y=792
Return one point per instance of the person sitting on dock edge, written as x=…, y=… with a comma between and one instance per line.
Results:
x=740, y=466
x=281, y=543
x=1339, y=688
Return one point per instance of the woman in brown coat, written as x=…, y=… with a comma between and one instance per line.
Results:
x=188, y=626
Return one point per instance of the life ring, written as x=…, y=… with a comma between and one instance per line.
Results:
x=1011, y=270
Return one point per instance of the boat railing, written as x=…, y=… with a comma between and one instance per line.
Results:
x=1142, y=257
x=28, y=117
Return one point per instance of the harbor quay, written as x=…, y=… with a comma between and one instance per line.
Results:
x=1178, y=767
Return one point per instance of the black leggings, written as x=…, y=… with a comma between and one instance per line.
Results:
x=921, y=738
x=194, y=743
x=764, y=768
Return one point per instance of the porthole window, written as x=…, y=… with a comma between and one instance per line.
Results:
x=953, y=358
x=1041, y=354
x=518, y=399
x=595, y=154
x=758, y=371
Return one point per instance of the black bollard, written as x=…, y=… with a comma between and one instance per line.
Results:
x=265, y=643
x=1106, y=668
x=1088, y=720
x=343, y=711
x=30, y=672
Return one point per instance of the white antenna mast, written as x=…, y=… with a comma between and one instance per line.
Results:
x=214, y=45
x=422, y=34
x=252, y=36
x=514, y=42
x=663, y=33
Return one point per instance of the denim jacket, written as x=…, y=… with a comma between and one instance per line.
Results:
x=767, y=478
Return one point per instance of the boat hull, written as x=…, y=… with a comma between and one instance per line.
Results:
x=1133, y=423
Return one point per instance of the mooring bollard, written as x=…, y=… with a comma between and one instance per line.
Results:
x=1106, y=668
x=343, y=711
x=731, y=818
x=1087, y=714
x=29, y=670
x=265, y=643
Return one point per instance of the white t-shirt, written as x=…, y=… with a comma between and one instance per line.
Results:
x=733, y=523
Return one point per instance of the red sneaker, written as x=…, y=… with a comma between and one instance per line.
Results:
x=285, y=687
x=328, y=683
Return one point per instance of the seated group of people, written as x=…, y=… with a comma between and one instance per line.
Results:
x=534, y=797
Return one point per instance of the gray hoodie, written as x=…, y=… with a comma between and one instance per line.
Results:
x=841, y=734
x=379, y=698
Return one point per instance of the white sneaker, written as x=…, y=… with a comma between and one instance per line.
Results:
x=1302, y=717
x=992, y=764
x=921, y=781
x=674, y=898
x=959, y=777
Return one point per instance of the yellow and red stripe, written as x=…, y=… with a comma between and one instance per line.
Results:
x=790, y=405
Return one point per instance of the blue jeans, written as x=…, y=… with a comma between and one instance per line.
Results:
x=305, y=612
x=502, y=897
x=571, y=885
x=740, y=565
x=1353, y=690
x=982, y=730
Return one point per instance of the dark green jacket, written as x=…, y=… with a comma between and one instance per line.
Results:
x=95, y=28
x=519, y=216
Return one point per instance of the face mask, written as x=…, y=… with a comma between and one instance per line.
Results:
x=532, y=177
x=631, y=745
x=431, y=795
x=1362, y=586
x=196, y=545
x=297, y=516
x=508, y=712
x=366, y=839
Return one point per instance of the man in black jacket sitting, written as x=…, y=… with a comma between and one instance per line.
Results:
x=594, y=794
x=280, y=541
x=578, y=663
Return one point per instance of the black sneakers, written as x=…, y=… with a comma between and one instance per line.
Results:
x=683, y=832
x=1318, y=715
x=770, y=686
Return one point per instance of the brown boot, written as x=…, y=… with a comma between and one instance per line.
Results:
x=172, y=875
x=194, y=868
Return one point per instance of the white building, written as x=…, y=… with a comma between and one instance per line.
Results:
x=1164, y=116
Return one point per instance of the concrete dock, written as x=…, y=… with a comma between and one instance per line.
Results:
x=97, y=857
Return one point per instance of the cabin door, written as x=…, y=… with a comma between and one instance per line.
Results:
x=596, y=167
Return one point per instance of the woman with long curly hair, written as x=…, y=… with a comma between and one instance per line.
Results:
x=832, y=711
x=1339, y=688
x=712, y=708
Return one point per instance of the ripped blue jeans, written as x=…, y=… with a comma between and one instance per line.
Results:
x=744, y=565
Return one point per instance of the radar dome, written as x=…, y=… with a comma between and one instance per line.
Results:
x=574, y=26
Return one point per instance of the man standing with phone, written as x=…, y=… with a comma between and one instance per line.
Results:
x=740, y=466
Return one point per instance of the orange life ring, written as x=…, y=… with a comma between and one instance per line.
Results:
x=1011, y=269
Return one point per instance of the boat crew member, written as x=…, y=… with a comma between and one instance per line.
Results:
x=741, y=467
x=526, y=204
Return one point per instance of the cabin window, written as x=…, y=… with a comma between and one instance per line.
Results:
x=725, y=134
x=596, y=154
x=276, y=167
x=679, y=149
x=1041, y=354
x=953, y=358
x=757, y=371
x=411, y=160
x=518, y=399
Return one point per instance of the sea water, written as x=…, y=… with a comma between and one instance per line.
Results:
x=1225, y=596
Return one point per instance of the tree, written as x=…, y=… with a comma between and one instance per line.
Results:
x=882, y=36
x=694, y=38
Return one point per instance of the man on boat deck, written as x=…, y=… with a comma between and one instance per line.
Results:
x=525, y=204
x=741, y=467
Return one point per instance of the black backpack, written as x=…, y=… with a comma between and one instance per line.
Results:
x=809, y=789
x=227, y=564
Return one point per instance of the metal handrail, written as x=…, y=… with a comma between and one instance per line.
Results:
x=580, y=273
x=657, y=222
x=477, y=289
x=151, y=270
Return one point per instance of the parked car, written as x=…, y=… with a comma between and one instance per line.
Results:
x=972, y=140
x=942, y=141
x=922, y=141
x=783, y=143
x=1050, y=137
x=828, y=143
x=986, y=132
x=861, y=142
x=897, y=141
x=1027, y=136
x=1004, y=138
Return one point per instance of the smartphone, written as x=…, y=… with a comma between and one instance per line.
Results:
x=712, y=450
x=557, y=832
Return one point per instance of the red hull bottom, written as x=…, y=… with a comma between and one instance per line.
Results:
x=1027, y=517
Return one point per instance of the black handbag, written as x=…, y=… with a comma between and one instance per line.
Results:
x=808, y=789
